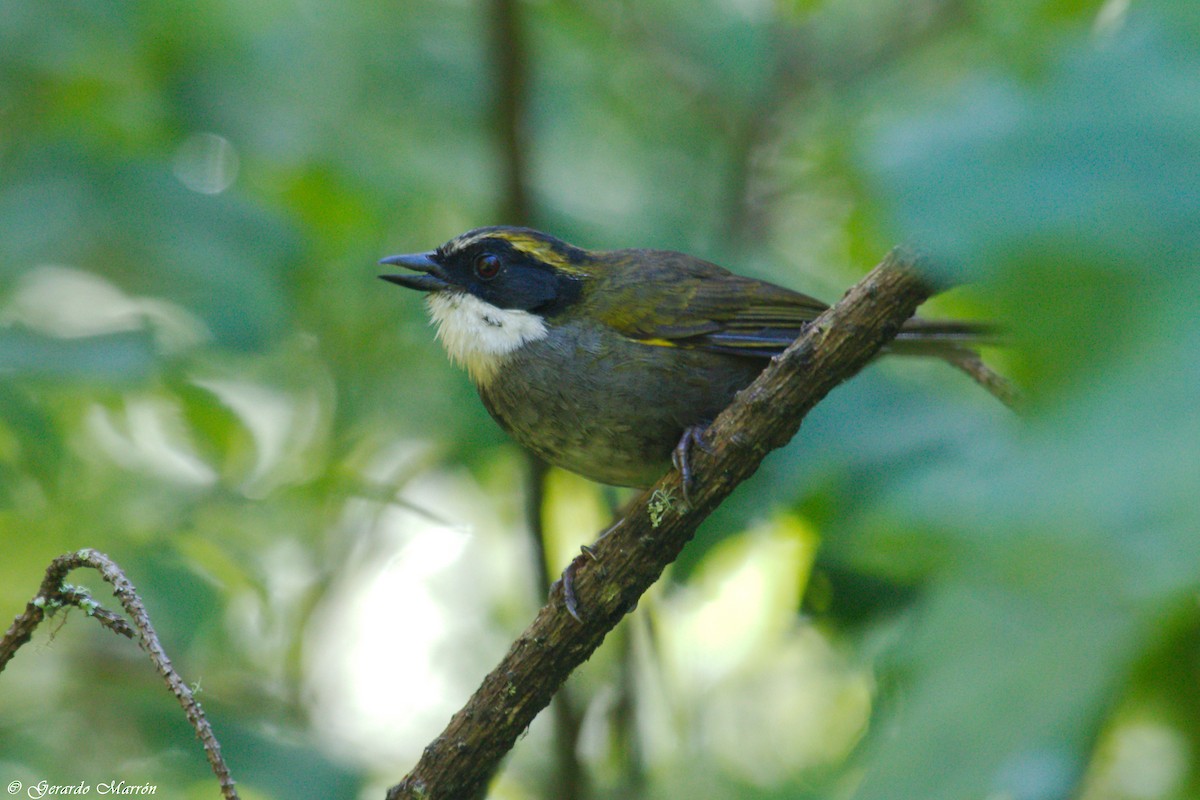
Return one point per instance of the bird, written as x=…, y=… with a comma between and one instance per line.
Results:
x=611, y=363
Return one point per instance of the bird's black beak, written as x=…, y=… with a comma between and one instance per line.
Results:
x=431, y=281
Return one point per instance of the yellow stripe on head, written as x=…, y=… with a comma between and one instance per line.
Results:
x=537, y=245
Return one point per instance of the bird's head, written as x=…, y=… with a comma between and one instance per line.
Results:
x=493, y=290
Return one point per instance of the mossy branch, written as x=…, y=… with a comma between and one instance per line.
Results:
x=623, y=564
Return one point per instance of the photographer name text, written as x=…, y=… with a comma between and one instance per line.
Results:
x=47, y=789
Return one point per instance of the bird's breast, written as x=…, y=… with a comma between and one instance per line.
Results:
x=606, y=407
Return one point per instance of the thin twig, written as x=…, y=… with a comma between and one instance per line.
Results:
x=54, y=594
x=609, y=580
x=999, y=386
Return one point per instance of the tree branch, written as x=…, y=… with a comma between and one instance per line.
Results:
x=623, y=564
x=54, y=594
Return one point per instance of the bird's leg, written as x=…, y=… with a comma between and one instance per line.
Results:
x=680, y=456
x=568, y=577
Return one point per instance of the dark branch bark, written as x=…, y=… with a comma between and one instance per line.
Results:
x=623, y=564
x=54, y=594
x=508, y=57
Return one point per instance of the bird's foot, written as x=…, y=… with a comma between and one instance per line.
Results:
x=587, y=553
x=693, y=435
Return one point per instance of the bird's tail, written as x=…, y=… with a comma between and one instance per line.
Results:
x=943, y=338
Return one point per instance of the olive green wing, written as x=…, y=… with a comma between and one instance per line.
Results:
x=670, y=299
x=675, y=300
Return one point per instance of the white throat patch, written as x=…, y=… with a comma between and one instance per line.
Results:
x=479, y=335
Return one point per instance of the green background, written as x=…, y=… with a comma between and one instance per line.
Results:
x=923, y=596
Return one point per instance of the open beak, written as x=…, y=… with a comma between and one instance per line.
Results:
x=430, y=281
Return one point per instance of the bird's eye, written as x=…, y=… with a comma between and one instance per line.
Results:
x=487, y=266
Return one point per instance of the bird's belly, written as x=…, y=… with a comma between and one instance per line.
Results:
x=611, y=412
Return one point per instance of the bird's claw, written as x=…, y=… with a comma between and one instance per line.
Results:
x=681, y=456
x=586, y=553
x=570, y=599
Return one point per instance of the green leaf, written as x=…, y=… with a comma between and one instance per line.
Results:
x=1099, y=158
x=120, y=356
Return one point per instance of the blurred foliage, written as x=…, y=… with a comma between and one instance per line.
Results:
x=200, y=376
